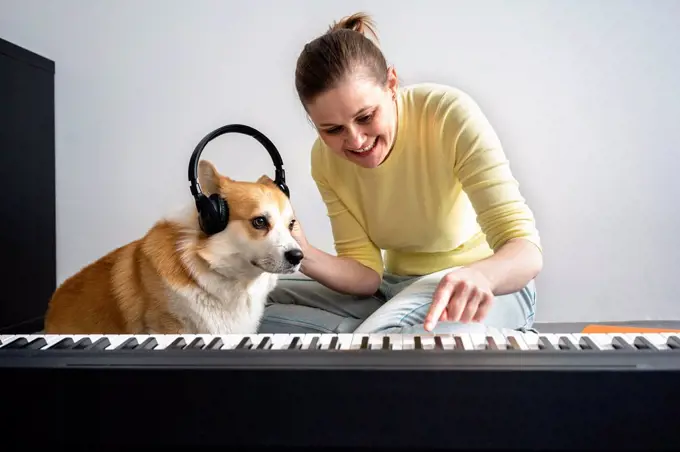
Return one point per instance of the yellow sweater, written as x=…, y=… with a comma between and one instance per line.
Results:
x=444, y=197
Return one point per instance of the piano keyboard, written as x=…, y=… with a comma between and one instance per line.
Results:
x=522, y=391
x=459, y=342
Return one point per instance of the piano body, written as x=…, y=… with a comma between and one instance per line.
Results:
x=516, y=391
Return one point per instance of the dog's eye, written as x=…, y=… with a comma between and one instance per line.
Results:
x=259, y=222
x=292, y=223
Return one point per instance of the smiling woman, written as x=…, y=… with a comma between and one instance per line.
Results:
x=418, y=172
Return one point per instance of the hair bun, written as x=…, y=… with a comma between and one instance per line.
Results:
x=359, y=22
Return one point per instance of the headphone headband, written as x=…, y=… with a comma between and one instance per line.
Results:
x=213, y=210
x=280, y=174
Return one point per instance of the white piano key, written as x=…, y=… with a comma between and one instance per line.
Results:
x=308, y=338
x=6, y=339
x=448, y=341
x=604, y=340
x=115, y=340
x=519, y=339
x=375, y=341
x=674, y=336
x=499, y=338
x=407, y=341
x=357, y=339
x=395, y=341
x=552, y=339
x=530, y=340
x=325, y=341
x=467, y=341
x=344, y=341
x=658, y=340
x=478, y=340
x=427, y=341
x=669, y=335
x=230, y=341
x=613, y=340
x=290, y=338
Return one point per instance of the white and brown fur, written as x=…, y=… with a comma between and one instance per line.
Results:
x=177, y=280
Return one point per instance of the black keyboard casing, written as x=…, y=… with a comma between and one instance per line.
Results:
x=380, y=399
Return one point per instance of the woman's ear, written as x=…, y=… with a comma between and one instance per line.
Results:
x=392, y=81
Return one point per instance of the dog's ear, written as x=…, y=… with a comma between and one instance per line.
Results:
x=208, y=177
x=266, y=180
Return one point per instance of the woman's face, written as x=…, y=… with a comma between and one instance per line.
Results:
x=358, y=119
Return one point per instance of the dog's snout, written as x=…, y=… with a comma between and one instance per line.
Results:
x=294, y=256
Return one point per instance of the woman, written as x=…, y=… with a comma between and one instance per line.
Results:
x=415, y=171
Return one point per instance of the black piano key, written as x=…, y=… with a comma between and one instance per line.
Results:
x=314, y=343
x=296, y=344
x=438, y=344
x=197, y=343
x=20, y=342
x=564, y=343
x=177, y=343
x=491, y=343
x=587, y=343
x=334, y=343
x=642, y=343
x=149, y=344
x=63, y=344
x=265, y=343
x=99, y=344
x=417, y=343
x=36, y=344
x=513, y=344
x=215, y=344
x=673, y=342
x=619, y=343
x=364, y=343
x=82, y=344
x=458, y=343
x=245, y=343
x=545, y=344
x=386, y=344
x=128, y=344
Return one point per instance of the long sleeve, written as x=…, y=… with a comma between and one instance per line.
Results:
x=484, y=172
x=350, y=238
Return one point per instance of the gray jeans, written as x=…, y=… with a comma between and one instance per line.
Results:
x=302, y=305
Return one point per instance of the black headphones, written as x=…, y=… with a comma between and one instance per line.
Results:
x=213, y=211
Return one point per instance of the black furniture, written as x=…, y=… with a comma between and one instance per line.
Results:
x=27, y=200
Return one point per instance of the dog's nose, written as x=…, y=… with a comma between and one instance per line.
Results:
x=294, y=256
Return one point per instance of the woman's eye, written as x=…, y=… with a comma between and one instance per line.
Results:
x=365, y=119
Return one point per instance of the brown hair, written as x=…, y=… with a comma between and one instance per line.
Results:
x=342, y=50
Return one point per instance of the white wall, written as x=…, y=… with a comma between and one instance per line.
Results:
x=585, y=96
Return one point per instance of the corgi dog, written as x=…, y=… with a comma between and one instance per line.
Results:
x=177, y=280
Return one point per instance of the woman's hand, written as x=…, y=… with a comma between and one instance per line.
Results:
x=299, y=235
x=463, y=295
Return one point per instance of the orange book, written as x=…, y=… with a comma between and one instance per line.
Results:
x=590, y=329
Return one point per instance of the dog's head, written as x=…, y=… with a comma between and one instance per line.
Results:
x=258, y=235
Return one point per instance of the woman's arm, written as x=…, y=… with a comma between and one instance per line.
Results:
x=357, y=267
x=480, y=163
x=339, y=273
x=511, y=267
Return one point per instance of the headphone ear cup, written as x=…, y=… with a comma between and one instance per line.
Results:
x=221, y=211
x=213, y=213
